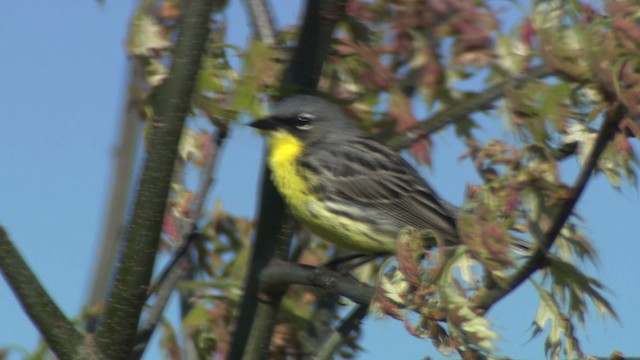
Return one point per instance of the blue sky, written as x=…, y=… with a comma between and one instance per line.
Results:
x=62, y=84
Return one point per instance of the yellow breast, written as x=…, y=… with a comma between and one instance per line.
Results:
x=284, y=151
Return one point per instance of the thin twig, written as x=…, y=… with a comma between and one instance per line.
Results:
x=262, y=21
x=338, y=336
x=188, y=271
x=163, y=291
x=486, y=299
x=259, y=309
x=61, y=335
x=207, y=174
x=464, y=108
x=325, y=315
x=121, y=181
x=162, y=288
x=320, y=324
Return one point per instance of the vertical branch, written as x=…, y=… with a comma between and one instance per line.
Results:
x=120, y=189
x=116, y=333
x=303, y=73
x=181, y=265
x=258, y=310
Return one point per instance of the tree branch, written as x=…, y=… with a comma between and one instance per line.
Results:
x=121, y=181
x=338, y=336
x=325, y=314
x=163, y=287
x=303, y=73
x=262, y=21
x=258, y=310
x=180, y=264
x=486, y=299
x=206, y=181
x=116, y=333
x=461, y=110
x=281, y=273
x=61, y=335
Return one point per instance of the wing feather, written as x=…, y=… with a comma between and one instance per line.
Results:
x=367, y=174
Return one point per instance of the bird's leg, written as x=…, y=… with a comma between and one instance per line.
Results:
x=344, y=264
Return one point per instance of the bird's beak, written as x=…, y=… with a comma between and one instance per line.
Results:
x=264, y=124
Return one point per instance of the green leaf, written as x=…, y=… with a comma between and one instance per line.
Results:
x=549, y=312
x=146, y=36
x=258, y=70
x=464, y=126
x=359, y=30
x=189, y=146
x=566, y=278
x=197, y=316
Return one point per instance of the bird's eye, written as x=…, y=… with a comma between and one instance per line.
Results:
x=303, y=122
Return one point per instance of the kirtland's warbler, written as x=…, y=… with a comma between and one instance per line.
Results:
x=345, y=186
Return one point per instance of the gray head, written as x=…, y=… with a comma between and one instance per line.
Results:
x=308, y=118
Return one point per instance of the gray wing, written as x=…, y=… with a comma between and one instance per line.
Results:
x=373, y=177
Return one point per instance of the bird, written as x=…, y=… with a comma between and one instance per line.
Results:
x=345, y=186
